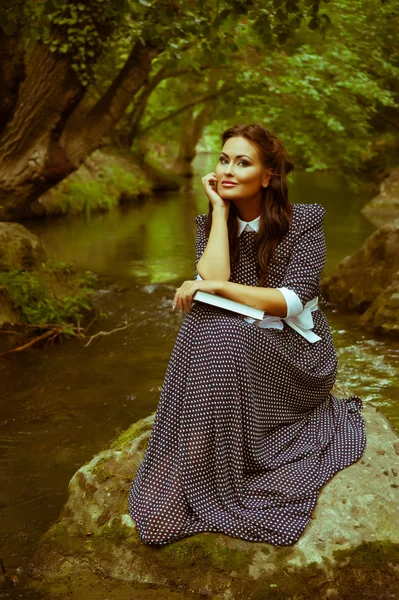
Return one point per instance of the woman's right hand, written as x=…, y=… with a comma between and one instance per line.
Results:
x=209, y=182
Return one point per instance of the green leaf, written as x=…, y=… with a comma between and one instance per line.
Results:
x=8, y=25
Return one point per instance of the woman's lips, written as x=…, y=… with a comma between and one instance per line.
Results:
x=228, y=184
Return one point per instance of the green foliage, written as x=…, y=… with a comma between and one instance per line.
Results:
x=78, y=31
x=58, y=266
x=118, y=176
x=83, y=196
x=81, y=31
x=323, y=97
x=115, y=174
x=30, y=295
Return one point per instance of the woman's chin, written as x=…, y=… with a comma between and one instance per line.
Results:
x=226, y=194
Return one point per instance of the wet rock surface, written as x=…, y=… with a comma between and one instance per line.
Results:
x=350, y=548
x=384, y=208
x=367, y=282
x=19, y=248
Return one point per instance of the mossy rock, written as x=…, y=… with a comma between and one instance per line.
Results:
x=19, y=248
x=349, y=549
x=107, y=178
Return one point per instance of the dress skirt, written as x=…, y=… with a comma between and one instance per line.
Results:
x=246, y=430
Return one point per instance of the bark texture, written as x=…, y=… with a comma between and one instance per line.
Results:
x=50, y=128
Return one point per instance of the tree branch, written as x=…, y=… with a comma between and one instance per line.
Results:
x=187, y=106
x=148, y=88
x=100, y=119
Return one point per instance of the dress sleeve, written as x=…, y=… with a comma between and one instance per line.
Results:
x=308, y=255
x=200, y=241
x=294, y=305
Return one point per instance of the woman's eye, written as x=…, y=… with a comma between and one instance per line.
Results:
x=243, y=163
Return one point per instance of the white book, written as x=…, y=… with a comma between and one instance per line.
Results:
x=238, y=307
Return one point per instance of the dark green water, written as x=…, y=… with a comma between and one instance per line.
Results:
x=63, y=404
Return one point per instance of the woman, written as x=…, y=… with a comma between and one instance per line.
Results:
x=246, y=430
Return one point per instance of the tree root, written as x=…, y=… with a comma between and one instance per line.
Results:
x=53, y=332
x=107, y=333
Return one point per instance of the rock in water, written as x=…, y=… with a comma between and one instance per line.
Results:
x=349, y=549
x=367, y=282
x=19, y=248
x=384, y=208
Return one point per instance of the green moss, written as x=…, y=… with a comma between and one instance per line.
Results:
x=366, y=572
x=110, y=536
x=86, y=196
x=84, y=484
x=64, y=537
x=100, y=470
x=111, y=177
x=130, y=434
x=370, y=555
x=203, y=550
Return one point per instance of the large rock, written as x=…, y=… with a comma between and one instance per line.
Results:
x=19, y=248
x=367, y=281
x=383, y=314
x=350, y=548
x=384, y=208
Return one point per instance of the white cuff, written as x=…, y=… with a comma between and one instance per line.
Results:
x=199, y=277
x=294, y=305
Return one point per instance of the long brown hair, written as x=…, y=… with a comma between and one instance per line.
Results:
x=276, y=210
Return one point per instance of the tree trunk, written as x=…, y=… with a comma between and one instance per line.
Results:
x=192, y=128
x=51, y=129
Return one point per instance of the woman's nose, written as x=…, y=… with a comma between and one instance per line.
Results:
x=229, y=169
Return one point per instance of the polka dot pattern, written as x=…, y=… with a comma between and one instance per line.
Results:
x=247, y=430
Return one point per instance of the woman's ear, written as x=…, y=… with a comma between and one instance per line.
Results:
x=266, y=177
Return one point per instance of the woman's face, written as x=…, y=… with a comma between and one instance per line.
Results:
x=240, y=173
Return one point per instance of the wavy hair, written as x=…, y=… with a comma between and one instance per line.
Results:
x=276, y=210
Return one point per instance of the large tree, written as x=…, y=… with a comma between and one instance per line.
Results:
x=51, y=50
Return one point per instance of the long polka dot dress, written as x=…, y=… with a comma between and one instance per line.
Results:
x=246, y=430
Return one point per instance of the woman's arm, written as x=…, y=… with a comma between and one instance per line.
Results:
x=302, y=273
x=269, y=300
x=215, y=260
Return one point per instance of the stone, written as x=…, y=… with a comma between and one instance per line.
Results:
x=19, y=248
x=383, y=314
x=367, y=282
x=350, y=548
x=384, y=208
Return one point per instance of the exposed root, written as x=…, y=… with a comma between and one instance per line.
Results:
x=53, y=332
x=100, y=333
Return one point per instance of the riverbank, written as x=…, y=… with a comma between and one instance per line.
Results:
x=108, y=178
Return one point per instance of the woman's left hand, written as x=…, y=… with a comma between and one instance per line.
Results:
x=184, y=294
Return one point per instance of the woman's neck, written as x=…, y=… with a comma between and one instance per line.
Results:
x=248, y=211
x=247, y=214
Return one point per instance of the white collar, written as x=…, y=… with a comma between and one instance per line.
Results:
x=248, y=224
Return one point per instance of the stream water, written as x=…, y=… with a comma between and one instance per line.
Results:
x=63, y=404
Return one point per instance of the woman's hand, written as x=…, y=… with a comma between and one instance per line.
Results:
x=184, y=294
x=210, y=182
